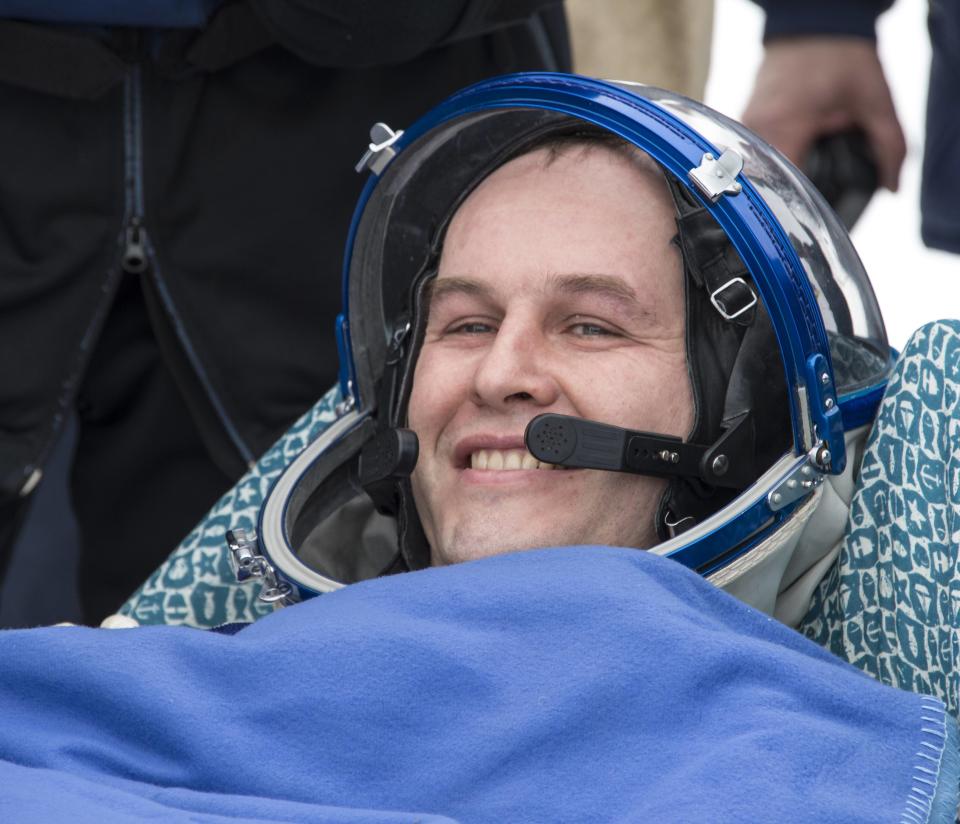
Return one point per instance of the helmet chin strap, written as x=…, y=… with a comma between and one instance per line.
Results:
x=564, y=440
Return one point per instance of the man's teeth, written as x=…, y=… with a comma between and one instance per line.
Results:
x=505, y=459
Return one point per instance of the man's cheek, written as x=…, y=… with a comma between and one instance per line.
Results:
x=419, y=407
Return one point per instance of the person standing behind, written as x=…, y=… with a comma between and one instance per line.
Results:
x=176, y=189
x=821, y=74
x=662, y=43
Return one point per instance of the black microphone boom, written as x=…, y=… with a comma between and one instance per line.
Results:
x=578, y=443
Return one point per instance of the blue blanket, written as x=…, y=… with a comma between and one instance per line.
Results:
x=579, y=684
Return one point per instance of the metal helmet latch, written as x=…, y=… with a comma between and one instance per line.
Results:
x=380, y=151
x=247, y=563
x=715, y=177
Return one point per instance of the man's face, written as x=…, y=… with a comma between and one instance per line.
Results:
x=558, y=290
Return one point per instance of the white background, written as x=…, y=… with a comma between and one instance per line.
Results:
x=913, y=284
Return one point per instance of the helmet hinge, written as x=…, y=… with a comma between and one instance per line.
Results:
x=825, y=414
x=802, y=480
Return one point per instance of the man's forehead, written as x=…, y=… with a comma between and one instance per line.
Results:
x=586, y=223
x=572, y=163
x=597, y=200
x=602, y=285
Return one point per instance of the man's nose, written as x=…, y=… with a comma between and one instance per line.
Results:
x=516, y=368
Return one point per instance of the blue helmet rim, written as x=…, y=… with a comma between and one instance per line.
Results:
x=752, y=228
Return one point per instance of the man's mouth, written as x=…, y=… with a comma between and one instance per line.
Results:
x=505, y=459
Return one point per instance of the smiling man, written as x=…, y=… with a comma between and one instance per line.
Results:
x=558, y=290
x=565, y=275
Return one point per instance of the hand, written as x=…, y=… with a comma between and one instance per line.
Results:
x=115, y=621
x=118, y=621
x=808, y=87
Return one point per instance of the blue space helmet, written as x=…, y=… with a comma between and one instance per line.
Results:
x=789, y=360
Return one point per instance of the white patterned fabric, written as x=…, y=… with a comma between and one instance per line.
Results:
x=891, y=604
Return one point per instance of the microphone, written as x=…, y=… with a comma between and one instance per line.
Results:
x=578, y=443
x=390, y=455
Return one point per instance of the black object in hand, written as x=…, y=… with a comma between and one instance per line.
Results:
x=841, y=166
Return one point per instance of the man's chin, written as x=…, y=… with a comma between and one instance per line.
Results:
x=484, y=537
x=473, y=550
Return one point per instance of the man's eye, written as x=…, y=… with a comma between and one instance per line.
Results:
x=473, y=327
x=590, y=330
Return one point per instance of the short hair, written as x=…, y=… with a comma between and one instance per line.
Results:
x=587, y=140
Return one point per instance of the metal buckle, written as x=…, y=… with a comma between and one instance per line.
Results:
x=243, y=553
x=379, y=153
x=247, y=564
x=719, y=307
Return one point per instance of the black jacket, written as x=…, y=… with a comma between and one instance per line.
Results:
x=221, y=162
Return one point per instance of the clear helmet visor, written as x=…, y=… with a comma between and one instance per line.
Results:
x=848, y=306
x=800, y=260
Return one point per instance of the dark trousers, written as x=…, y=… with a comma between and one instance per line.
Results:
x=142, y=476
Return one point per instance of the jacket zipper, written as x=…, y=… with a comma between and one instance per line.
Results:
x=139, y=257
x=134, y=261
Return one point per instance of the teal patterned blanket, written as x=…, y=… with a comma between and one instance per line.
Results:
x=196, y=586
x=891, y=604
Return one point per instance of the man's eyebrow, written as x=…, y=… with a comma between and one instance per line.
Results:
x=603, y=285
x=608, y=287
x=442, y=287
